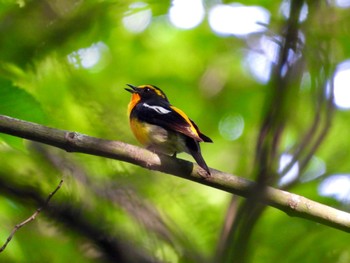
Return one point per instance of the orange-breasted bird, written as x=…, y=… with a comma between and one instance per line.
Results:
x=162, y=127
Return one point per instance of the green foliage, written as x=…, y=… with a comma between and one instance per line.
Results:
x=19, y=104
x=45, y=78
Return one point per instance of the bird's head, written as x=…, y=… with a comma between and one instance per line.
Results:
x=146, y=92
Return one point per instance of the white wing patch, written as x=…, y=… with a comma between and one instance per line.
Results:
x=158, y=109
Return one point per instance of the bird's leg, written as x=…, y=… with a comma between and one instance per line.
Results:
x=174, y=155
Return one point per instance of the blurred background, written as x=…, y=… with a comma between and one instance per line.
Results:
x=268, y=81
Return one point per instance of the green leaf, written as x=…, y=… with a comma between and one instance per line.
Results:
x=18, y=103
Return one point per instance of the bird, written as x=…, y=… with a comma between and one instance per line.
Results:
x=162, y=127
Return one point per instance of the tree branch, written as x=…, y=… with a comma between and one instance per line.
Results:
x=292, y=204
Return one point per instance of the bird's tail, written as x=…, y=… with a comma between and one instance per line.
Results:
x=194, y=149
x=197, y=155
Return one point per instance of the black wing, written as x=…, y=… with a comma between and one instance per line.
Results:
x=169, y=117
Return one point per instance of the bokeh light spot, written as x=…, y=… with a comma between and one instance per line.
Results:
x=285, y=10
x=90, y=57
x=342, y=3
x=186, y=14
x=231, y=126
x=342, y=86
x=336, y=186
x=316, y=168
x=260, y=58
x=138, y=17
x=292, y=173
x=259, y=66
x=238, y=20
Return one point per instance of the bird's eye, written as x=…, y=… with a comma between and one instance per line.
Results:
x=147, y=90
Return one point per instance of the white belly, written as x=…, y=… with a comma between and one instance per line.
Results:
x=164, y=141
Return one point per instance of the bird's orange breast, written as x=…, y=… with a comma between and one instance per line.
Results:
x=135, y=98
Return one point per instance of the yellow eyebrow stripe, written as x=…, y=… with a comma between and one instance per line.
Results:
x=183, y=115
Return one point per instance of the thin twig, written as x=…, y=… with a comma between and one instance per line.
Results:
x=31, y=218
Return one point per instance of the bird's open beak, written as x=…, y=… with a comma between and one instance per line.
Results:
x=132, y=90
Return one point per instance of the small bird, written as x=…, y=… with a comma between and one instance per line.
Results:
x=162, y=127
